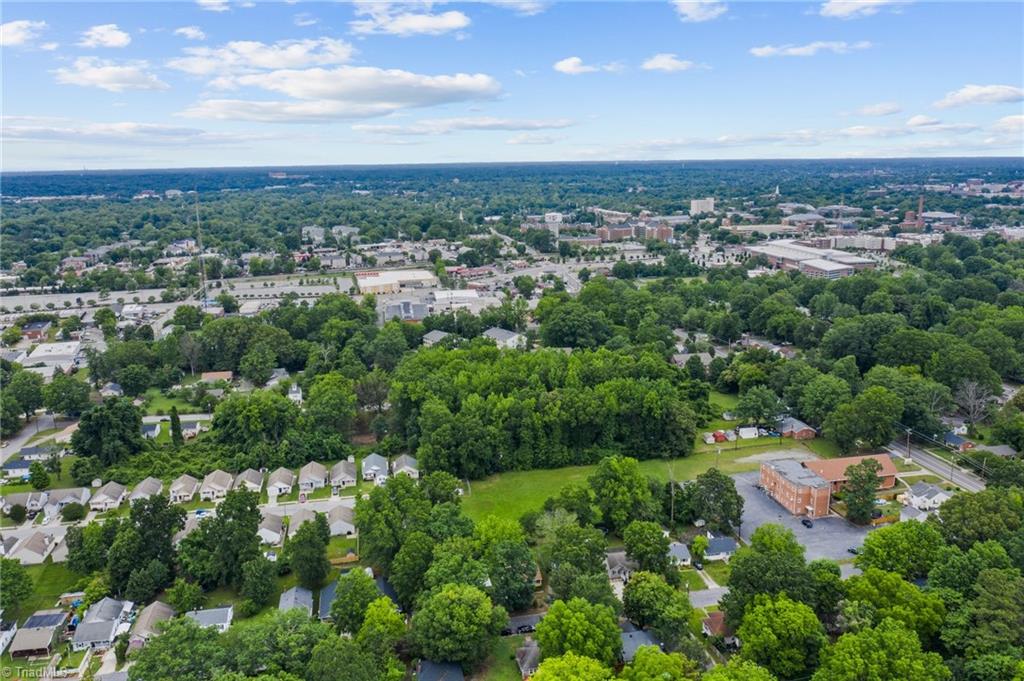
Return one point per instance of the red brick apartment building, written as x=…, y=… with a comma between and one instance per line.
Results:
x=805, y=488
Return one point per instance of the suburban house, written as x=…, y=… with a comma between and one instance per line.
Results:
x=957, y=442
x=296, y=597
x=251, y=479
x=216, y=618
x=280, y=483
x=191, y=523
x=108, y=497
x=505, y=339
x=38, y=634
x=633, y=641
x=528, y=658
x=619, y=567
x=16, y=468
x=271, y=529
x=295, y=393
x=375, y=467
x=679, y=554
x=924, y=496
x=151, y=431
x=438, y=671
x=34, y=549
x=32, y=501
x=326, y=598
x=720, y=547
x=300, y=518
x=147, y=488
x=312, y=476
x=191, y=428
x=432, y=338
x=343, y=474
x=834, y=470
x=215, y=485
x=101, y=624
x=796, y=429
x=714, y=626
x=342, y=521
x=112, y=390
x=183, y=489
x=406, y=464
x=145, y=626
x=39, y=452
x=799, y=490
x=57, y=499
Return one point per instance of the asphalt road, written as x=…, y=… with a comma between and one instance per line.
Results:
x=958, y=476
x=40, y=422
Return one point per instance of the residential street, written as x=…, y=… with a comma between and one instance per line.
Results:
x=942, y=468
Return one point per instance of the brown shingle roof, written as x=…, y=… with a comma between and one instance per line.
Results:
x=834, y=470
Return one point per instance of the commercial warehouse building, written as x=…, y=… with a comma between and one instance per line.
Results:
x=827, y=263
x=393, y=281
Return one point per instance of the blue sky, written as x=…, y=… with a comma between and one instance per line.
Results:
x=231, y=83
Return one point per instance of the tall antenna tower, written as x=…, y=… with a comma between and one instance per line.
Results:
x=202, y=260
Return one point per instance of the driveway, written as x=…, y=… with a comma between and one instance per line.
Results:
x=829, y=538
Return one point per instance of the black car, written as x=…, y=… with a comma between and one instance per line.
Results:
x=854, y=550
x=806, y=522
x=524, y=629
x=698, y=565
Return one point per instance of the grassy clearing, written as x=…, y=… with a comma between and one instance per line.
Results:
x=49, y=581
x=719, y=571
x=158, y=403
x=56, y=481
x=826, y=449
x=45, y=433
x=501, y=665
x=692, y=580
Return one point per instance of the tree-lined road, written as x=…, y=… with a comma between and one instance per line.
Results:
x=944, y=469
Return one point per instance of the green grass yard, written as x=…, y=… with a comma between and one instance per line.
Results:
x=501, y=665
x=692, y=579
x=56, y=481
x=49, y=581
x=158, y=403
x=719, y=571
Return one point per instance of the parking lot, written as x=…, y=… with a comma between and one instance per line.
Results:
x=829, y=538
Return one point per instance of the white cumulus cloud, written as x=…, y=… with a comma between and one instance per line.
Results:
x=105, y=35
x=922, y=121
x=880, y=109
x=20, y=33
x=190, y=33
x=852, y=9
x=109, y=75
x=246, y=56
x=981, y=94
x=345, y=92
x=213, y=5
x=405, y=19
x=575, y=66
x=29, y=129
x=694, y=11
x=533, y=138
x=305, y=19
x=666, y=61
x=810, y=49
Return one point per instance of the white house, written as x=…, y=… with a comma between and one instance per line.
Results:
x=619, y=567
x=406, y=464
x=343, y=474
x=342, y=521
x=505, y=339
x=432, y=338
x=271, y=529
x=215, y=485
x=147, y=488
x=312, y=476
x=32, y=501
x=34, y=549
x=108, y=497
x=295, y=393
x=679, y=554
x=251, y=479
x=720, y=547
x=57, y=499
x=280, y=482
x=374, y=467
x=925, y=496
x=16, y=468
x=183, y=489
x=146, y=624
x=102, y=622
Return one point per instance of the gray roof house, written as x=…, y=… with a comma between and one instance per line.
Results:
x=619, y=566
x=183, y=489
x=145, y=625
x=342, y=521
x=147, y=488
x=678, y=553
x=633, y=641
x=924, y=496
x=271, y=529
x=216, y=618
x=32, y=501
x=151, y=431
x=312, y=476
x=406, y=464
x=296, y=597
x=57, y=499
x=280, y=482
x=438, y=671
x=100, y=624
x=528, y=658
x=300, y=518
x=432, y=338
x=251, y=479
x=720, y=547
x=503, y=338
x=34, y=549
x=215, y=485
x=343, y=474
x=374, y=467
x=108, y=497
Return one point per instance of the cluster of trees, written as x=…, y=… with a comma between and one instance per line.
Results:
x=477, y=411
x=23, y=392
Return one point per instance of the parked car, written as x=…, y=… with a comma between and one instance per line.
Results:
x=854, y=550
x=698, y=565
x=806, y=522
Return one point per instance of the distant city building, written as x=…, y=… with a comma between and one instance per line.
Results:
x=698, y=206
